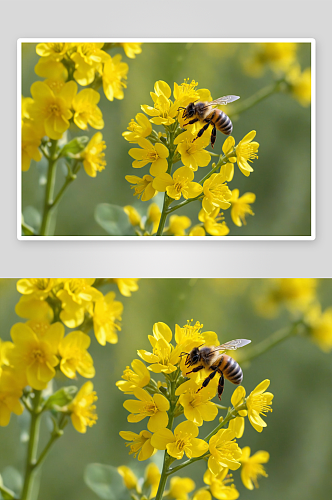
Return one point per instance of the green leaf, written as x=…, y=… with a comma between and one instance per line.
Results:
x=106, y=482
x=113, y=219
x=61, y=397
x=75, y=146
x=10, y=483
x=32, y=218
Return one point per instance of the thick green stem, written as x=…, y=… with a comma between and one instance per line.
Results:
x=48, y=201
x=271, y=341
x=30, y=467
x=257, y=97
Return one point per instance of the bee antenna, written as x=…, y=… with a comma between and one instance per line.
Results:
x=184, y=353
x=181, y=107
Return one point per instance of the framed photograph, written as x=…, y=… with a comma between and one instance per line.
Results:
x=148, y=138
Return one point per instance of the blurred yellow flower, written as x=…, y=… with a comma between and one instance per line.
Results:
x=114, y=73
x=156, y=155
x=55, y=51
x=241, y=207
x=152, y=477
x=224, y=452
x=252, y=467
x=300, y=84
x=180, y=184
x=278, y=56
x=106, y=316
x=214, y=223
x=164, y=357
x=10, y=394
x=74, y=356
x=133, y=216
x=36, y=287
x=139, y=376
x=127, y=285
x=155, y=407
x=31, y=139
x=202, y=494
x=320, y=326
x=138, y=130
x=86, y=110
x=30, y=307
x=131, y=49
x=183, y=440
x=197, y=230
x=140, y=444
x=129, y=478
x=221, y=485
x=197, y=406
x=93, y=156
x=258, y=402
x=82, y=408
x=153, y=216
x=177, y=225
x=180, y=487
x=77, y=296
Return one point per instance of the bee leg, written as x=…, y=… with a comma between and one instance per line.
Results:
x=196, y=369
x=221, y=386
x=213, y=136
x=201, y=132
x=207, y=380
x=191, y=122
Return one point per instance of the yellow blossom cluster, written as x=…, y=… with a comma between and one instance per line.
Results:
x=40, y=347
x=56, y=101
x=185, y=142
x=182, y=393
x=281, y=58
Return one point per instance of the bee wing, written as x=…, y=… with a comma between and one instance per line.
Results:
x=232, y=344
x=225, y=100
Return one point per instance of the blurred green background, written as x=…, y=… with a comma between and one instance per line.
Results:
x=297, y=436
x=281, y=177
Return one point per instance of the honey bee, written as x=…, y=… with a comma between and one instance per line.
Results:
x=212, y=358
x=203, y=112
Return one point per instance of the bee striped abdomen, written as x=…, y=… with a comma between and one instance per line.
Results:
x=224, y=124
x=231, y=370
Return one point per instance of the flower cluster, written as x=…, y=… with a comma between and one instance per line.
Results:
x=182, y=393
x=40, y=347
x=57, y=101
x=281, y=58
x=182, y=140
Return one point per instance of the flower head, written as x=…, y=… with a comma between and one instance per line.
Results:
x=114, y=73
x=258, y=403
x=140, y=444
x=129, y=478
x=182, y=441
x=77, y=296
x=55, y=51
x=216, y=193
x=131, y=49
x=300, y=84
x=252, y=467
x=93, y=156
x=156, y=155
x=196, y=404
x=320, y=326
x=73, y=351
x=221, y=485
x=245, y=151
x=86, y=110
x=164, y=357
x=214, y=222
x=180, y=487
x=139, y=376
x=36, y=287
x=192, y=151
x=224, y=452
x=241, y=207
x=177, y=225
x=143, y=188
x=88, y=59
x=82, y=408
x=155, y=407
x=162, y=112
x=138, y=130
x=180, y=184
x=106, y=316
x=10, y=394
x=126, y=285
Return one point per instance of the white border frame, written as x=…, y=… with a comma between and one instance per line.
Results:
x=312, y=41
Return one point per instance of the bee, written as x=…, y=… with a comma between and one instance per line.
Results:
x=203, y=112
x=213, y=359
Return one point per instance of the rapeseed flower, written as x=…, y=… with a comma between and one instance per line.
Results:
x=180, y=487
x=31, y=140
x=156, y=155
x=221, y=485
x=192, y=152
x=155, y=407
x=197, y=406
x=152, y=477
x=241, y=207
x=140, y=444
x=153, y=217
x=216, y=193
x=177, y=225
x=74, y=355
x=77, y=297
x=180, y=184
x=139, y=376
x=106, y=317
x=143, y=187
x=39, y=288
x=93, y=156
x=224, y=452
x=55, y=51
x=126, y=285
x=88, y=58
x=86, y=110
x=251, y=467
x=300, y=84
x=134, y=217
x=245, y=151
x=129, y=478
x=114, y=74
x=214, y=222
x=183, y=441
x=258, y=402
x=320, y=326
x=131, y=49
x=10, y=394
x=82, y=408
x=138, y=130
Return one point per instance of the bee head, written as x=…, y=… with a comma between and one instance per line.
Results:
x=193, y=357
x=189, y=111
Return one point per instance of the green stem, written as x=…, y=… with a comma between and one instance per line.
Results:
x=167, y=199
x=257, y=97
x=271, y=341
x=48, y=201
x=31, y=460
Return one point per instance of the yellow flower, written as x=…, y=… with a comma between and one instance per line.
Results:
x=197, y=230
x=88, y=59
x=86, y=110
x=252, y=467
x=31, y=140
x=133, y=216
x=185, y=94
x=180, y=184
x=236, y=425
x=192, y=152
x=177, y=225
x=39, y=288
x=129, y=478
x=258, y=402
x=131, y=49
x=224, y=452
x=77, y=296
x=300, y=84
x=155, y=407
x=10, y=394
x=82, y=408
x=73, y=351
x=138, y=130
x=156, y=155
x=220, y=485
x=183, y=440
x=47, y=67
x=279, y=56
x=126, y=285
x=152, y=477
x=114, y=73
x=212, y=222
x=164, y=357
x=197, y=406
x=143, y=187
x=320, y=326
x=106, y=315
x=93, y=156
x=241, y=207
x=30, y=307
x=202, y=494
x=55, y=51
x=153, y=217
x=245, y=151
x=180, y=487
x=162, y=112
x=140, y=444
x=139, y=376
x=35, y=358
x=216, y=193
x=52, y=110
